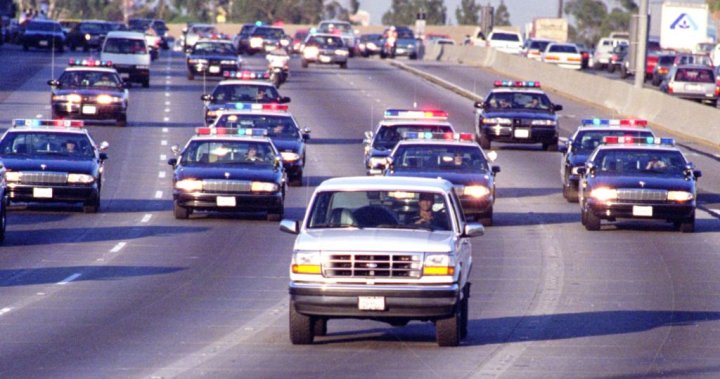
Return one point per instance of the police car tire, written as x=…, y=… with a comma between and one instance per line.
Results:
x=486, y=219
x=3, y=222
x=447, y=330
x=296, y=180
x=304, y=63
x=190, y=76
x=26, y=47
x=687, y=225
x=301, y=327
x=320, y=326
x=92, y=206
x=611, y=68
x=553, y=146
x=343, y=65
x=570, y=194
x=181, y=213
x=592, y=222
x=146, y=83
x=122, y=120
x=275, y=215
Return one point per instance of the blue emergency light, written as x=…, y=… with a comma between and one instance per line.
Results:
x=38, y=123
x=614, y=122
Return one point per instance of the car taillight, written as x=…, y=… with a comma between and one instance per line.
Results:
x=717, y=89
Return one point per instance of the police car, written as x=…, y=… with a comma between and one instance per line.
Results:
x=50, y=161
x=212, y=58
x=378, y=145
x=454, y=157
x=587, y=137
x=639, y=178
x=240, y=87
x=281, y=128
x=517, y=112
x=89, y=89
x=228, y=169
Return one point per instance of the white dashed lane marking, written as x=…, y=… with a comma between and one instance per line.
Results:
x=146, y=218
x=69, y=279
x=161, y=174
x=118, y=247
x=5, y=310
x=158, y=194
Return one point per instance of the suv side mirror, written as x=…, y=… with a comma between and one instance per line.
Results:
x=53, y=83
x=290, y=226
x=479, y=104
x=473, y=229
x=206, y=97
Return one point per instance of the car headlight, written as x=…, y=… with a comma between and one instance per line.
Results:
x=439, y=265
x=341, y=52
x=310, y=51
x=543, y=122
x=371, y=45
x=679, y=196
x=72, y=98
x=87, y=37
x=476, y=191
x=13, y=176
x=604, y=194
x=289, y=156
x=306, y=262
x=142, y=67
x=377, y=161
x=80, y=179
x=229, y=62
x=263, y=187
x=211, y=113
x=189, y=185
x=107, y=99
x=497, y=120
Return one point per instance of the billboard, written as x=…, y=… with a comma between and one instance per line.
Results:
x=683, y=25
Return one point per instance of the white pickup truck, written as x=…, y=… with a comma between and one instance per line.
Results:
x=392, y=249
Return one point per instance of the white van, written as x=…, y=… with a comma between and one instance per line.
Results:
x=506, y=41
x=604, y=50
x=129, y=54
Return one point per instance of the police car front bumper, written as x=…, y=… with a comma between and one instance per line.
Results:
x=211, y=70
x=524, y=134
x=664, y=211
x=88, y=110
x=476, y=206
x=50, y=194
x=232, y=202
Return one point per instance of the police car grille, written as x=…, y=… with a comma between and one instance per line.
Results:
x=43, y=177
x=641, y=195
x=382, y=265
x=222, y=185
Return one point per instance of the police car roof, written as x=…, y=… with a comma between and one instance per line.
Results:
x=235, y=82
x=231, y=137
x=629, y=129
x=637, y=146
x=439, y=142
x=48, y=129
x=95, y=69
x=517, y=89
x=414, y=121
x=230, y=112
x=386, y=183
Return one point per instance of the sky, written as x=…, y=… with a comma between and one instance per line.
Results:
x=521, y=11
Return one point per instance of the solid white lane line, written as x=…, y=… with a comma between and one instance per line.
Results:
x=38, y=115
x=69, y=279
x=146, y=218
x=167, y=94
x=5, y=310
x=161, y=174
x=158, y=194
x=118, y=247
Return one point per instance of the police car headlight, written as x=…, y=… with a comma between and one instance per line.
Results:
x=263, y=187
x=679, y=196
x=310, y=51
x=80, y=178
x=439, y=265
x=107, y=99
x=497, y=120
x=341, y=52
x=476, y=191
x=306, y=262
x=212, y=113
x=543, y=122
x=371, y=45
x=289, y=156
x=189, y=185
x=72, y=98
x=377, y=161
x=87, y=37
x=574, y=170
x=604, y=194
x=229, y=62
x=142, y=67
x=284, y=43
x=13, y=176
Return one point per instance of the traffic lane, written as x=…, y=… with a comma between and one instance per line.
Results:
x=13, y=75
x=480, y=81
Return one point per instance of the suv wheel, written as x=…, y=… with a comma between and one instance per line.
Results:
x=92, y=205
x=301, y=327
x=592, y=222
x=448, y=330
x=181, y=213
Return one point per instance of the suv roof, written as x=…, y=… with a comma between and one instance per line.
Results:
x=126, y=34
x=386, y=182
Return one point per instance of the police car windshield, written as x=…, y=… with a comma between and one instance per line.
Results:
x=52, y=145
x=278, y=127
x=379, y=209
x=634, y=162
x=213, y=48
x=439, y=158
x=89, y=79
x=389, y=135
x=587, y=141
x=330, y=27
x=518, y=100
x=228, y=152
x=230, y=93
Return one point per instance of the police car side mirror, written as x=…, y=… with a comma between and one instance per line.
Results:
x=277, y=163
x=172, y=161
x=175, y=149
x=284, y=100
x=495, y=169
x=103, y=156
x=103, y=146
x=290, y=226
x=53, y=83
x=306, y=134
x=206, y=97
x=557, y=107
x=479, y=104
x=368, y=137
x=563, y=148
x=697, y=173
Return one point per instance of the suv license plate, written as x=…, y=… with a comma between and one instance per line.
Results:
x=371, y=303
x=89, y=109
x=225, y=201
x=642, y=211
x=522, y=133
x=43, y=193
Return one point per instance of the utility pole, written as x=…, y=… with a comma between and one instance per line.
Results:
x=642, y=36
x=560, y=9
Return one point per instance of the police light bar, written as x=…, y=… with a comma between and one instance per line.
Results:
x=448, y=136
x=246, y=75
x=614, y=122
x=516, y=84
x=251, y=132
x=618, y=140
x=37, y=123
x=89, y=63
x=259, y=107
x=415, y=114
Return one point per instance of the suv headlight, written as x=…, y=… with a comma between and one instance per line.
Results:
x=306, y=262
x=604, y=194
x=679, y=196
x=476, y=191
x=543, y=122
x=442, y=264
x=189, y=185
x=263, y=187
x=289, y=156
x=80, y=178
x=497, y=120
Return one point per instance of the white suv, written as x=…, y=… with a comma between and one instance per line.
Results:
x=129, y=54
x=506, y=41
x=409, y=256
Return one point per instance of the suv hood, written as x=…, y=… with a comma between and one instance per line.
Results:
x=374, y=239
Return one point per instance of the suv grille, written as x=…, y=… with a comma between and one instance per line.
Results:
x=42, y=177
x=642, y=195
x=382, y=265
x=221, y=185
